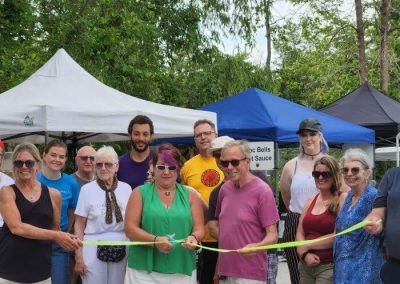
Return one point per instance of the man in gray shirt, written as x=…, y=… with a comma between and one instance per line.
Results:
x=84, y=161
x=385, y=217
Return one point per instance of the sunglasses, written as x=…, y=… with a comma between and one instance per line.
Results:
x=150, y=174
x=163, y=167
x=234, y=163
x=324, y=175
x=108, y=165
x=85, y=158
x=354, y=171
x=28, y=163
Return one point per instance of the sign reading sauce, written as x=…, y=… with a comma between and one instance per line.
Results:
x=262, y=155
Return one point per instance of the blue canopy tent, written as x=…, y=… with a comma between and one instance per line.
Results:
x=256, y=115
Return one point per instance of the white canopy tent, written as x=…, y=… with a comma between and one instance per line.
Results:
x=63, y=100
x=386, y=154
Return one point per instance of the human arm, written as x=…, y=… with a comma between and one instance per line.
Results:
x=285, y=183
x=212, y=221
x=271, y=237
x=134, y=232
x=197, y=233
x=79, y=227
x=213, y=228
x=72, y=204
x=376, y=219
x=12, y=218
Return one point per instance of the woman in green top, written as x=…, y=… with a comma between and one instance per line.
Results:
x=162, y=211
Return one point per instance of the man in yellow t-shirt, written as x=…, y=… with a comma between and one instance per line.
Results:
x=202, y=173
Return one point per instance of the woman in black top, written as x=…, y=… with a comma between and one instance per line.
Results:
x=31, y=213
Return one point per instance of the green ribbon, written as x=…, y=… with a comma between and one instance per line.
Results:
x=273, y=246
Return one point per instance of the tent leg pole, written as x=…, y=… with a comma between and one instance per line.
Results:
x=46, y=137
x=276, y=165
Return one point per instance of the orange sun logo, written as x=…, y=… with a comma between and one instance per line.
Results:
x=210, y=178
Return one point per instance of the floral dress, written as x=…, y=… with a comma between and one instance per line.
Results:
x=358, y=256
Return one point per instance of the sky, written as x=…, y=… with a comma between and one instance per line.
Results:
x=281, y=10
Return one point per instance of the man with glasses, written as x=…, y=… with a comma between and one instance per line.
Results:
x=247, y=217
x=133, y=166
x=202, y=173
x=84, y=161
x=4, y=179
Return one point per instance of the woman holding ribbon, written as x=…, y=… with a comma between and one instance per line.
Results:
x=297, y=184
x=163, y=213
x=358, y=256
x=100, y=217
x=317, y=220
x=31, y=213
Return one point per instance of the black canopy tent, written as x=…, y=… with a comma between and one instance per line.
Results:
x=368, y=107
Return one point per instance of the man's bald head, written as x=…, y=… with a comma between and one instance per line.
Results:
x=85, y=160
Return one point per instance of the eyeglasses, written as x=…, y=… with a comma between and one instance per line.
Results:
x=324, y=175
x=234, y=163
x=205, y=133
x=306, y=134
x=163, y=167
x=108, y=165
x=28, y=163
x=354, y=171
x=85, y=158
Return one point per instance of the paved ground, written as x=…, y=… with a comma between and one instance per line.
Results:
x=283, y=274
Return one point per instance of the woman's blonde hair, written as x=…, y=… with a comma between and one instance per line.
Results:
x=332, y=164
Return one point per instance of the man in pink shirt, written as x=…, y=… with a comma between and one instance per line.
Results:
x=247, y=217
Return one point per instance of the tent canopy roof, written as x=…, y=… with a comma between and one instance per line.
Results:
x=369, y=107
x=64, y=100
x=256, y=115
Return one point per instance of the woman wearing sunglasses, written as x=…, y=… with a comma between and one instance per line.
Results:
x=52, y=175
x=161, y=212
x=297, y=184
x=31, y=213
x=99, y=216
x=358, y=256
x=318, y=219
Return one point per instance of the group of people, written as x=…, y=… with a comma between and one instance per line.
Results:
x=152, y=196
x=325, y=197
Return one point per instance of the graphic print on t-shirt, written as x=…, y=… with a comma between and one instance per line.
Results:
x=210, y=178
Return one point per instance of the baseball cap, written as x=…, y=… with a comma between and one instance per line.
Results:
x=310, y=124
x=219, y=142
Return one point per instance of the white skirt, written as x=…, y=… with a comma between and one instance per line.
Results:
x=134, y=276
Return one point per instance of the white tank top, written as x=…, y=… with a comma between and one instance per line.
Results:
x=302, y=188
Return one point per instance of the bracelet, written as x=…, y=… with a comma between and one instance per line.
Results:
x=303, y=256
x=194, y=237
x=155, y=238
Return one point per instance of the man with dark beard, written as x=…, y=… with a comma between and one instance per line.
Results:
x=133, y=165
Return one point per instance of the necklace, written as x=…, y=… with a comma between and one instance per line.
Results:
x=311, y=155
x=167, y=193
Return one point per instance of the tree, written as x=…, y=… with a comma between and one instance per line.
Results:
x=383, y=55
x=362, y=64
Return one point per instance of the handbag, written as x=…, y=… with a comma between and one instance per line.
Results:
x=111, y=253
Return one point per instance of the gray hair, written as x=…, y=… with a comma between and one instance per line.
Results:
x=242, y=144
x=106, y=151
x=355, y=154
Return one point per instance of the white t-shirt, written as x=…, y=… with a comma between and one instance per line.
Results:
x=4, y=181
x=92, y=205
